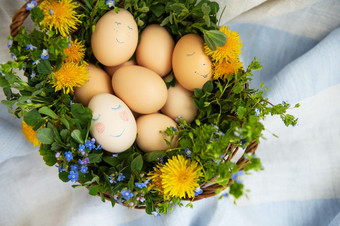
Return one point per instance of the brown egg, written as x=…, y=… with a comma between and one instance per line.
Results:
x=141, y=89
x=191, y=66
x=99, y=82
x=149, y=129
x=155, y=49
x=111, y=70
x=115, y=38
x=180, y=103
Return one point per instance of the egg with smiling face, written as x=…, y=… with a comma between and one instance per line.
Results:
x=113, y=124
x=115, y=38
x=191, y=66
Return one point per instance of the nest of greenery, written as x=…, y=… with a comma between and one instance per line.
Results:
x=212, y=152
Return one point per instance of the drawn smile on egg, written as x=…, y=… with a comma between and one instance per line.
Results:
x=119, y=41
x=204, y=75
x=119, y=135
x=191, y=54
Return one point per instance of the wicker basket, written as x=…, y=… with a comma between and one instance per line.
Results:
x=209, y=189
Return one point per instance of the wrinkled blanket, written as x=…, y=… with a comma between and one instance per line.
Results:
x=298, y=43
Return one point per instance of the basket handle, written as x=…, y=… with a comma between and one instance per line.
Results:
x=19, y=18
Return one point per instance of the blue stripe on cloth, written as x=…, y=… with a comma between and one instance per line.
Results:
x=273, y=48
x=311, y=73
x=290, y=62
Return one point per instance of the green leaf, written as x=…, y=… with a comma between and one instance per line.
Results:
x=137, y=163
x=241, y=111
x=65, y=122
x=3, y=82
x=110, y=160
x=94, y=179
x=37, y=15
x=55, y=146
x=95, y=158
x=205, y=8
x=76, y=135
x=238, y=89
x=47, y=111
x=113, y=201
x=165, y=21
x=214, y=38
x=88, y=4
x=50, y=160
x=93, y=190
x=130, y=183
x=9, y=103
x=81, y=113
x=255, y=65
x=208, y=87
x=59, y=63
x=64, y=176
x=158, y=10
x=45, y=135
x=64, y=133
x=198, y=93
x=236, y=190
x=44, y=67
x=178, y=8
x=154, y=155
x=32, y=118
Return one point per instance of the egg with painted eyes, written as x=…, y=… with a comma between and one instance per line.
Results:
x=115, y=38
x=113, y=124
x=191, y=66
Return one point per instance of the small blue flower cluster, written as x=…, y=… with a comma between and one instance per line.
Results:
x=187, y=152
x=156, y=213
x=31, y=5
x=198, y=191
x=142, y=185
x=119, y=178
x=126, y=194
x=110, y=3
x=235, y=176
x=45, y=54
x=81, y=165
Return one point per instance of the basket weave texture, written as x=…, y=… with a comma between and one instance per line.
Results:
x=209, y=189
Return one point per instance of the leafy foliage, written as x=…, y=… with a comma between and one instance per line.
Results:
x=229, y=112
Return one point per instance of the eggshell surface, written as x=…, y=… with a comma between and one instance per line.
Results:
x=115, y=38
x=141, y=89
x=191, y=66
x=111, y=70
x=155, y=49
x=113, y=125
x=180, y=103
x=148, y=128
x=99, y=82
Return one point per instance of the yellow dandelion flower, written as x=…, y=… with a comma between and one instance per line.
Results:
x=60, y=14
x=29, y=133
x=75, y=52
x=70, y=75
x=177, y=178
x=226, y=67
x=231, y=49
x=156, y=180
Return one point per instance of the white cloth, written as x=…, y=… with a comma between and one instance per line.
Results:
x=298, y=43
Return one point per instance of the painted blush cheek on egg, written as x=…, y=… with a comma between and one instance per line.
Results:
x=124, y=116
x=100, y=127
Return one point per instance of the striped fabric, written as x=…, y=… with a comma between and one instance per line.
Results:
x=298, y=43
